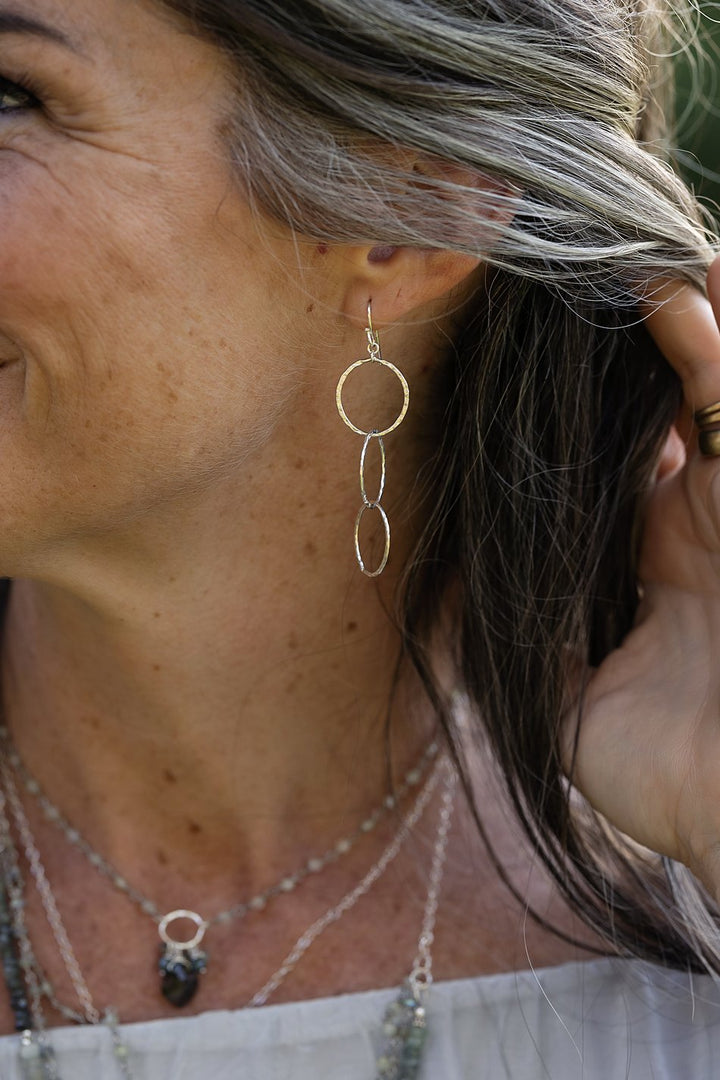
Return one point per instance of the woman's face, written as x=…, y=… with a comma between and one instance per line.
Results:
x=140, y=306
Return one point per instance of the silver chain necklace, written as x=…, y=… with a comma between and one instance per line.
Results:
x=404, y=1025
x=351, y=898
x=183, y=961
x=405, y=1020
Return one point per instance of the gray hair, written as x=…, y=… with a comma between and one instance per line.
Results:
x=545, y=100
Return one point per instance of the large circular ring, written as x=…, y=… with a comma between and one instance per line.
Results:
x=405, y=390
x=174, y=916
x=386, y=552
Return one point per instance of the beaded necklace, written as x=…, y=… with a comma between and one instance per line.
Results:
x=182, y=962
x=405, y=1020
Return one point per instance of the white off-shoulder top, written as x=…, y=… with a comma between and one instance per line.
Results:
x=605, y=1019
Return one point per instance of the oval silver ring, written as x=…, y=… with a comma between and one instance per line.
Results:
x=381, y=488
x=386, y=552
x=403, y=383
x=175, y=916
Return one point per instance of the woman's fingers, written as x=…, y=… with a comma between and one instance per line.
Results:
x=685, y=329
x=647, y=753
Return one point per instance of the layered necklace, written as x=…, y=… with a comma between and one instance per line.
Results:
x=182, y=960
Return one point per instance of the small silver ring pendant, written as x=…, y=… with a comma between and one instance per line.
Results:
x=176, y=916
x=181, y=962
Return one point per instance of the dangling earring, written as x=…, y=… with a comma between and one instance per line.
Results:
x=373, y=357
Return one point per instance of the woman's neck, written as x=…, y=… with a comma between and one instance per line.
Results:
x=215, y=669
x=205, y=713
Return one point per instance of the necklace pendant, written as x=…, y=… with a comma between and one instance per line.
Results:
x=180, y=971
x=405, y=1030
x=181, y=962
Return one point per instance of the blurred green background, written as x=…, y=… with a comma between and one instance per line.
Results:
x=698, y=112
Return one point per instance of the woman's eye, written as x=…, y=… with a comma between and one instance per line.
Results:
x=14, y=98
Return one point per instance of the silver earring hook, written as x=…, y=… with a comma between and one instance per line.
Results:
x=372, y=337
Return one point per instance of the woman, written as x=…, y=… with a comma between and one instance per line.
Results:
x=210, y=211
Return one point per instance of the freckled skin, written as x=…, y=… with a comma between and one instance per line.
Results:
x=129, y=264
x=166, y=371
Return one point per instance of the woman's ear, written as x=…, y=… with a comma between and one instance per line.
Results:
x=401, y=280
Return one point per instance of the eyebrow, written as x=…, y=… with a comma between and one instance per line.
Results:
x=12, y=22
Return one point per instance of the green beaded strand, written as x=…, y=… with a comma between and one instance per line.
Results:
x=405, y=1031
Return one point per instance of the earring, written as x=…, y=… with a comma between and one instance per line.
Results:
x=374, y=357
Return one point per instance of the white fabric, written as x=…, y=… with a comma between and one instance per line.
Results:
x=602, y=1020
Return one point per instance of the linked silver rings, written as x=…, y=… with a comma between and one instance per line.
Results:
x=386, y=552
x=375, y=435
x=383, y=471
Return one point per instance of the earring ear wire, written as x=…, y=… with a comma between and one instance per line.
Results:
x=374, y=357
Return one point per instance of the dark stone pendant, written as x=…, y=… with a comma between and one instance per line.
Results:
x=181, y=962
x=179, y=978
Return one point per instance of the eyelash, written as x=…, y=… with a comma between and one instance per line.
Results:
x=22, y=92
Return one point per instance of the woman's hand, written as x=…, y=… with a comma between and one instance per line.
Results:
x=648, y=754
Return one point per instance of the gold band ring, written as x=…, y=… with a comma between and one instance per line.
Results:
x=709, y=443
x=709, y=415
x=708, y=422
